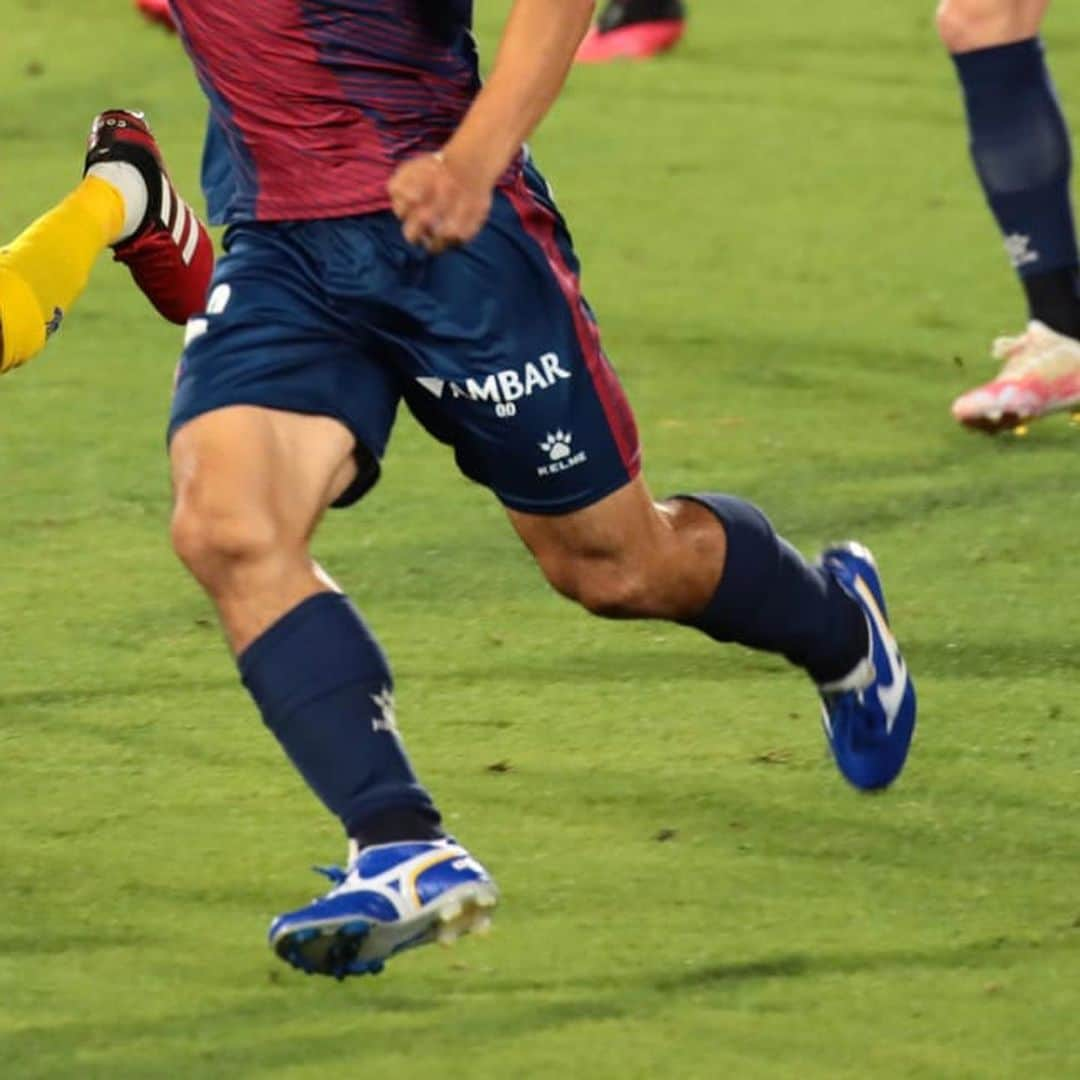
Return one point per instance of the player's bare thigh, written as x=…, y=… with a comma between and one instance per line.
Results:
x=628, y=556
x=965, y=25
x=292, y=464
x=250, y=484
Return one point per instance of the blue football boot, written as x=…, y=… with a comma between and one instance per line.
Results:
x=392, y=897
x=869, y=716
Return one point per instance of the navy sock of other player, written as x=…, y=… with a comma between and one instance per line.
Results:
x=1020, y=147
x=771, y=598
x=324, y=688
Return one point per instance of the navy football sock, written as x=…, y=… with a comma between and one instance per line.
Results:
x=1054, y=299
x=1020, y=147
x=771, y=598
x=325, y=690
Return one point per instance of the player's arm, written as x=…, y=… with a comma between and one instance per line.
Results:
x=531, y=65
x=444, y=199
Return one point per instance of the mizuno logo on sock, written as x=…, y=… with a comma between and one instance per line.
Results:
x=1018, y=248
x=385, y=719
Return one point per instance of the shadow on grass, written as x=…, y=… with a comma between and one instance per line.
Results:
x=268, y=1033
x=285, y=1021
x=53, y=942
x=85, y=695
x=667, y=661
x=967, y=956
x=41, y=710
x=661, y=662
x=989, y=952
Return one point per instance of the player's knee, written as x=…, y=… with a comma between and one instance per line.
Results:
x=609, y=587
x=964, y=25
x=214, y=541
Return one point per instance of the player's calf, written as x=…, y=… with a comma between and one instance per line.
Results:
x=967, y=25
x=221, y=545
x=627, y=557
x=709, y=560
x=714, y=562
x=253, y=563
x=610, y=586
x=249, y=486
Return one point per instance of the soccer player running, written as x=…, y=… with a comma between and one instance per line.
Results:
x=390, y=240
x=125, y=201
x=1021, y=149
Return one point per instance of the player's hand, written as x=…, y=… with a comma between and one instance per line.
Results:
x=438, y=204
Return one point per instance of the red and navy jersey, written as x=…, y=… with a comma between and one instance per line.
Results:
x=313, y=103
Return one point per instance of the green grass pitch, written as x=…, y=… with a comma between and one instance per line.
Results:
x=795, y=275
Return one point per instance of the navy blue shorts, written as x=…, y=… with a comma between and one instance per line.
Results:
x=491, y=346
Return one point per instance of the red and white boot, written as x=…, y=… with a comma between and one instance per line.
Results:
x=170, y=253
